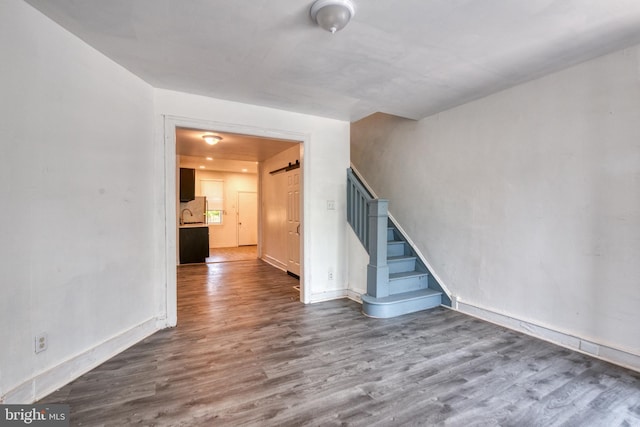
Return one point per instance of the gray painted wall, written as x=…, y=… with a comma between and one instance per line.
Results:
x=527, y=202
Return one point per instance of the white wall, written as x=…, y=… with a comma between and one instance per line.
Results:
x=527, y=202
x=325, y=159
x=76, y=165
x=357, y=268
x=226, y=234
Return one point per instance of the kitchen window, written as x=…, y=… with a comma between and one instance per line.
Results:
x=213, y=190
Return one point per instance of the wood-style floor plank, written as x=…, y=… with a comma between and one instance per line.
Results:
x=240, y=253
x=246, y=352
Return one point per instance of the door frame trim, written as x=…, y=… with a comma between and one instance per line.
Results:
x=168, y=298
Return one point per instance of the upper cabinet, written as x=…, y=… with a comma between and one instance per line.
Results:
x=187, y=184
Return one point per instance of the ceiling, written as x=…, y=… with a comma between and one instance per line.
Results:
x=234, y=153
x=410, y=58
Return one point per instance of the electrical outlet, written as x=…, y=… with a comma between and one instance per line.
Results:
x=42, y=342
x=330, y=275
x=331, y=205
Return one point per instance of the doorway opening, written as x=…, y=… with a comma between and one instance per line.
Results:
x=246, y=246
x=251, y=214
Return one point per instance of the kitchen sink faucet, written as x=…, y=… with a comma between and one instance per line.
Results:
x=182, y=215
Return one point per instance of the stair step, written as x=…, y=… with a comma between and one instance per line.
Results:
x=407, y=275
x=407, y=281
x=396, y=305
x=401, y=263
x=390, y=234
x=395, y=248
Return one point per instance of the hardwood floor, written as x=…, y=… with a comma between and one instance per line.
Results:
x=240, y=253
x=247, y=352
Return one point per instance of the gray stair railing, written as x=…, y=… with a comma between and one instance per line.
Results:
x=368, y=218
x=377, y=269
x=398, y=282
x=358, y=199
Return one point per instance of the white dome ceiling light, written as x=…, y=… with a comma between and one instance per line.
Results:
x=332, y=15
x=211, y=139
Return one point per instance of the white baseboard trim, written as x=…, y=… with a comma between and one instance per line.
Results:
x=355, y=295
x=329, y=295
x=275, y=263
x=597, y=350
x=45, y=383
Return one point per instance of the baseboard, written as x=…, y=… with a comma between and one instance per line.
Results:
x=275, y=263
x=329, y=295
x=354, y=295
x=47, y=382
x=598, y=350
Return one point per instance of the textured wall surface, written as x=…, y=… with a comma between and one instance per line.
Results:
x=76, y=165
x=527, y=202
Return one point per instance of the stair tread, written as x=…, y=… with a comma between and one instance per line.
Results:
x=405, y=274
x=422, y=293
x=400, y=258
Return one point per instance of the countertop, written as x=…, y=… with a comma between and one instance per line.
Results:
x=193, y=225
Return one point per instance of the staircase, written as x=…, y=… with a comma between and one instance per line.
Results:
x=408, y=285
x=398, y=282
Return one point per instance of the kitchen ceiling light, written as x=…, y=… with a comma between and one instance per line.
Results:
x=211, y=139
x=332, y=15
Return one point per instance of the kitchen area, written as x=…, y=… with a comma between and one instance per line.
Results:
x=219, y=177
x=192, y=221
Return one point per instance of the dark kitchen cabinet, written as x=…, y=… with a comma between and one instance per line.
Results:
x=194, y=244
x=187, y=184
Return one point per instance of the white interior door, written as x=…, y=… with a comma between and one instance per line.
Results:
x=247, y=218
x=293, y=221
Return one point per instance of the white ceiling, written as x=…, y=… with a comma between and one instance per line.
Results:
x=411, y=58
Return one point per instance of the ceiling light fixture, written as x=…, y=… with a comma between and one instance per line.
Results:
x=332, y=15
x=211, y=139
